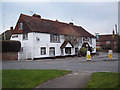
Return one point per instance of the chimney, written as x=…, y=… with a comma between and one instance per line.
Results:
x=36, y=15
x=56, y=20
x=70, y=23
x=113, y=32
x=11, y=28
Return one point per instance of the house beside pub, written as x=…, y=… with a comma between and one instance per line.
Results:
x=107, y=42
x=42, y=38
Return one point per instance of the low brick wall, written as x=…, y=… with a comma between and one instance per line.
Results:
x=9, y=55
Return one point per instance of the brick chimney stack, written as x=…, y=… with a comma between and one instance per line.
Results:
x=113, y=32
x=11, y=28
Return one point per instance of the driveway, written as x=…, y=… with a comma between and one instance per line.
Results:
x=72, y=80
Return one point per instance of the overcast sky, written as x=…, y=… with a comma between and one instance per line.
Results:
x=95, y=17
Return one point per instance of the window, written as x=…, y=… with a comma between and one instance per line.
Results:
x=68, y=50
x=25, y=36
x=97, y=43
x=20, y=26
x=107, y=42
x=90, y=40
x=43, y=50
x=21, y=49
x=54, y=38
x=52, y=51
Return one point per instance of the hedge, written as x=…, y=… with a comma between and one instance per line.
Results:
x=10, y=46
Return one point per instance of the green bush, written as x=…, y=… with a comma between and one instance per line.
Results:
x=90, y=49
x=107, y=47
x=10, y=46
x=82, y=51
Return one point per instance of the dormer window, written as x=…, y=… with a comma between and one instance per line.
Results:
x=54, y=38
x=20, y=26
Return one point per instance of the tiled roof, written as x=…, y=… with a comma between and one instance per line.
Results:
x=108, y=37
x=36, y=24
x=8, y=34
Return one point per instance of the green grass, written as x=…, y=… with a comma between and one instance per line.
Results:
x=28, y=78
x=103, y=80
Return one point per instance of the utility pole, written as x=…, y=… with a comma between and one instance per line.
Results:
x=4, y=36
x=116, y=28
x=4, y=28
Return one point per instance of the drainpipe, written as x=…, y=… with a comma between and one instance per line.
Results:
x=33, y=48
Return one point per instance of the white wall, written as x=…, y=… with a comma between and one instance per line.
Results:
x=94, y=44
x=32, y=46
x=45, y=42
x=27, y=45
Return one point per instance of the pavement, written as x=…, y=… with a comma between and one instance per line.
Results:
x=81, y=69
x=72, y=80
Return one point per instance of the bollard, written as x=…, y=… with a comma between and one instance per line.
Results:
x=110, y=54
x=88, y=55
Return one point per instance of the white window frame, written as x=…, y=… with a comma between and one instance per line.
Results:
x=43, y=50
x=54, y=38
x=20, y=26
x=68, y=50
x=25, y=36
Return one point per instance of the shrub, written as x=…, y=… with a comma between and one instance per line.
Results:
x=82, y=51
x=10, y=46
x=90, y=49
x=107, y=47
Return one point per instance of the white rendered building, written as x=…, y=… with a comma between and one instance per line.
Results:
x=41, y=38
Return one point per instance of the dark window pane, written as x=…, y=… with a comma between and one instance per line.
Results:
x=43, y=50
x=68, y=50
x=54, y=38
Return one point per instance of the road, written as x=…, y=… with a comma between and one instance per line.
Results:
x=97, y=64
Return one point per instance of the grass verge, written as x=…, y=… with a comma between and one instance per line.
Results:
x=28, y=78
x=104, y=80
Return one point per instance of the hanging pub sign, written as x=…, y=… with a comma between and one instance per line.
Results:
x=15, y=36
x=86, y=39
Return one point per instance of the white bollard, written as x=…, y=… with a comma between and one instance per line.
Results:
x=88, y=55
x=110, y=56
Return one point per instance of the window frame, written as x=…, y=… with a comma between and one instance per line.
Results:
x=50, y=50
x=44, y=50
x=55, y=38
x=66, y=50
x=21, y=49
x=25, y=36
x=20, y=26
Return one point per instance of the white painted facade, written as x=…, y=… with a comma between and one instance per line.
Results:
x=32, y=46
